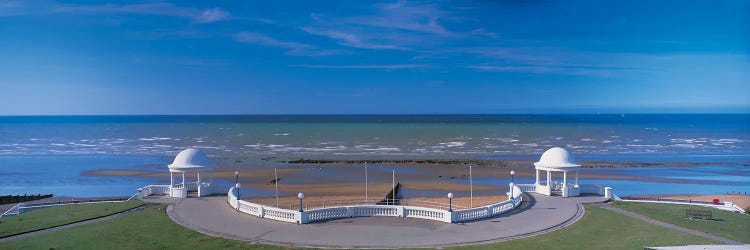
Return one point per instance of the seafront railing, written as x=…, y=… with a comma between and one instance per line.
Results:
x=585, y=188
x=203, y=189
x=527, y=187
x=347, y=211
x=591, y=189
x=153, y=189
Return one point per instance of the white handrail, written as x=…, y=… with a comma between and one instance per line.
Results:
x=9, y=212
x=289, y=215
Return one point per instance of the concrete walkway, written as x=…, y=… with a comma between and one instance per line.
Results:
x=667, y=225
x=541, y=214
x=75, y=224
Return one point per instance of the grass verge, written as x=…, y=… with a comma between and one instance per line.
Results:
x=43, y=218
x=726, y=224
x=602, y=229
x=147, y=229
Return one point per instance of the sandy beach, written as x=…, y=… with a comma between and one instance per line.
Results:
x=421, y=179
x=322, y=201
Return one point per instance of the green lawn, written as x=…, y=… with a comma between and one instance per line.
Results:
x=726, y=224
x=602, y=229
x=147, y=229
x=599, y=229
x=59, y=215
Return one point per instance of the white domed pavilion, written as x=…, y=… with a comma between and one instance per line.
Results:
x=190, y=161
x=557, y=160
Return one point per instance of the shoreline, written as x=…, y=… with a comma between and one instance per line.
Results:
x=502, y=163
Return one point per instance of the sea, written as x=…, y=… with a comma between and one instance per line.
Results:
x=51, y=154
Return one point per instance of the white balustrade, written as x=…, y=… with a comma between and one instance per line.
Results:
x=427, y=213
x=312, y=215
x=591, y=189
x=153, y=189
x=375, y=210
x=527, y=187
x=326, y=214
x=281, y=214
x=250, y=208
x=192, y=186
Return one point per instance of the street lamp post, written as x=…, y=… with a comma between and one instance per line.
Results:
x=300, y=196
x=512, y=182
x=450, y=202
x=237, y=186
x=236, y=176
x=471, y=188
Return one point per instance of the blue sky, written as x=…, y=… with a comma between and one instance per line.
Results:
x=328, y=57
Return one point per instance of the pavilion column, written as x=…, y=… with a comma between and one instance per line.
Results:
x=565, y=179
x=171, y=179
x=549, y=178
x=576, y=177
x=537, y=176
x=199, y=178
x=183, y=179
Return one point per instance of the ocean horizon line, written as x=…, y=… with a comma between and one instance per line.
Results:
x=381, y=114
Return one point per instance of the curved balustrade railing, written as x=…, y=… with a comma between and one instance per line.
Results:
x=405, y=211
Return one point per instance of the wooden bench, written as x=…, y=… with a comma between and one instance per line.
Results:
x=701, y=214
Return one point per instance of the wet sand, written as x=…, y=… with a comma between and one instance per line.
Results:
x=341, y=179
x=498, y=163
x=432, y=172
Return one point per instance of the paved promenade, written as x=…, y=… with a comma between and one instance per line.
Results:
x=541, y=214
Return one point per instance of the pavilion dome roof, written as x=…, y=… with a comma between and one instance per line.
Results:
x=190, y=159
x=556, y=157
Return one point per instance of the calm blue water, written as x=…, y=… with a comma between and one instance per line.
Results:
x=49, y=154
x=64, y=175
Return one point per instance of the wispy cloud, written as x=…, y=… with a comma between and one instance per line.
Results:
x=397, y=26
x=161, y=9
x=184, y=61
x=401, y=15
x=371, y=66
x=552, y=60
x=355, y=39
x=536, y=69
x=212, y=15
x=293, y=48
